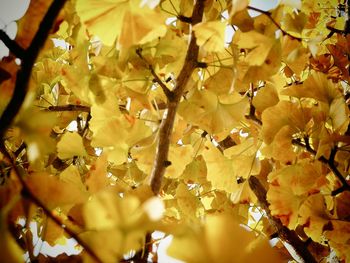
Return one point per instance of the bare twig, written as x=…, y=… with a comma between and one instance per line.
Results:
x=300, y=250
x=27, y=193
x=23, y=75
x=165, y=89
x=12, y=45
x=161, y=159
x=269, y=15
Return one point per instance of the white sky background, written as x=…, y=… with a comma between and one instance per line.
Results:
x=12, y=10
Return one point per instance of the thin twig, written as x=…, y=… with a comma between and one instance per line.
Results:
x=286, y=235
x=269, y=15
x=165, y=89
x=27, y=193
x=330, y=162
x=69, y=107
x=12, y=45
x=29, y=58
x=161, y=161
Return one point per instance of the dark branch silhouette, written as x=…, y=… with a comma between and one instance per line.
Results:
x=28, y=60
x=12, y=45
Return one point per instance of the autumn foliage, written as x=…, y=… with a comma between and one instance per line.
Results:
x=148, y=118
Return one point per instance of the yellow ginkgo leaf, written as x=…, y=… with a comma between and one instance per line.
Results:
x=221, y=239
x=98, y=15
x=10, y=250
x=179, y=157
x=313, y=215
x=70, y=145
x=72, y=176
x=212, y=113
x=316, y=86
x=54, y=192
x=188, y=203
x=96, y=178
x=259, y=45
x=125, y=219
x=282, y=114
x=220, y=169
x=211, y=35
x=295, y=22
x=290, y=187
x=141, y=27
x=339, y=114
x=265, y=97
x=132, y=21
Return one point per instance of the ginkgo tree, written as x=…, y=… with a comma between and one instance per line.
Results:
x=148, y=118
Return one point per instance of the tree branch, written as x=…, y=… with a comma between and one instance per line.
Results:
x=330, y=162
x=299, y=249
x=269, y=15
x=165, y=89
x=27, y=193
x=184, y=19
x=166, y=126
x=29, y=58
x=334, y=30
x=12, y=45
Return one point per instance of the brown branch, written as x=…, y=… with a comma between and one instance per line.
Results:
x=142, y=255
x=69, y=107
x=330, y=162
x=27, y=193
x=12, y=45
x=165, y=89
x=29, y=58
x=269, y=15
x=286, y=235
x=166, y=126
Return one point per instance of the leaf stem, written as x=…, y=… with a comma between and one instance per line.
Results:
x=161, y=159
x=300, y=250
